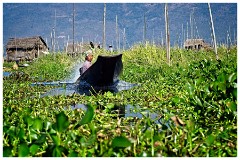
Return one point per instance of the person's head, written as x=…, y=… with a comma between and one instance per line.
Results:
x=89, y=56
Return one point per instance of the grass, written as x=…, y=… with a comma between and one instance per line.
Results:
x=195, y=87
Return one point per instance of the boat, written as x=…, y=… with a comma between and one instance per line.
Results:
x=103, y=73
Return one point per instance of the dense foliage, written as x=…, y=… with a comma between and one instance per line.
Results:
x=196, y=96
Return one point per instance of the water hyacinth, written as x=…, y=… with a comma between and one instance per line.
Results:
x=187, y=109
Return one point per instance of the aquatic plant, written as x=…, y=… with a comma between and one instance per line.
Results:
x=195, y=99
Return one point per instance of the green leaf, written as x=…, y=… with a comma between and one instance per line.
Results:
x=190, y=88
x=8, y=110
x=56, y=140
x=176, y=100
x=88, y=116
x=21, y=134
x=232, y=105
x=110, y=105
x=73, y=154
x=198, y=101
x=34, y=149
x=222, y=87
x=206, y=89
x=210, y=139
x=57, y=151
x=28, y=120
x=221, y=78
x=33, y=135
x=47, y=125
x=62, y=122
x=23, y=150
x=7, y=152
x=41, y=139
x=12, y=131
x=38, y=124
x=108, y=94
x=232, y=77
x=120, y=142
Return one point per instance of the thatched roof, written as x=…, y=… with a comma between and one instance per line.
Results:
x=193, y=42
x=29, y=42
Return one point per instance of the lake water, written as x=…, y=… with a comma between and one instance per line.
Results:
x=68, y=88
x=134, y=112
x=6, y=74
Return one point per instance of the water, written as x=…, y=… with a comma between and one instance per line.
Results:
x=75, y=73
x=134, y=112
x=83, y=88
x=6, y=74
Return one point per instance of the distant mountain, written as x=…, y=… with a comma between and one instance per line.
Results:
x=31, y=19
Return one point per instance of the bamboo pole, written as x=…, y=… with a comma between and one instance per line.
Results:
x=73, y=29
x=182, y=37
x=104, y=28
x=161, y=39
x=227, y=39
x=191, y=35
x=124, y=39
x=234, y=37
x=198, y=36
x=52, y=40
x=213, y=32
x=229, y=33
x=145, y=29
x=54, y=31
x=119, y=48
x=167, y=34
x=153, y=38
x=116, y=34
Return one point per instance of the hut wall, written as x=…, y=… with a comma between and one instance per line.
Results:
x=25, y=48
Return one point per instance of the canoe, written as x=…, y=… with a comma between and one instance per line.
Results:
x=104, y=72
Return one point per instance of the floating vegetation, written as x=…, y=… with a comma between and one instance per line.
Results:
x=188, y=109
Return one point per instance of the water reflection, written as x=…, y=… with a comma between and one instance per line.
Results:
x=132, y=111
x=83, y=88
x=6, y=74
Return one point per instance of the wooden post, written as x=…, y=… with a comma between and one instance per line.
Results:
x=153, y=37
x=38, y=52
x=104, y=28
x=182, y=37
x=119, y=48
x=145, y=29
x=167, y=34
x=229, y=33
x=73, y=30
x=54, y=32
x=213, y=32
x=52, y=40
x=234, y=37
x=161, y=39
x=124, y=39
x=116, y=34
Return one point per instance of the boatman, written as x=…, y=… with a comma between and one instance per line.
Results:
x=87, y=63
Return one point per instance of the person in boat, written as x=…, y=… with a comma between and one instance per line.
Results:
x=92, y=45
x=87, y=63
x=110, y=48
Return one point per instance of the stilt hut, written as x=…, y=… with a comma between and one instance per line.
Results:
x=196, y=44
x=25, y=48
